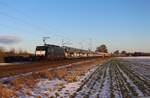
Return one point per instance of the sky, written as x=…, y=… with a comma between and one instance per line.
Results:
x=120, y=24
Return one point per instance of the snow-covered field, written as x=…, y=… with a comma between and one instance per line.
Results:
x=140, y=65
x=116, y=78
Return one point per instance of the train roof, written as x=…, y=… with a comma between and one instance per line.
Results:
x=45, y=47
x=66, y=48
x=74, y=49
x=48, y=45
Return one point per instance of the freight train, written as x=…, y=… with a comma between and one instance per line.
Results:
x=53, y=52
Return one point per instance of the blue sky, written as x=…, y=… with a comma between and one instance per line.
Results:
x=120, y=24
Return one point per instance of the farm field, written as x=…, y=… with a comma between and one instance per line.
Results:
x=118, y=78
x=112, y=78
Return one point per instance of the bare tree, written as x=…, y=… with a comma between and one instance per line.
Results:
x=116, y=52
x=2, y=49
x=102, y=48
x=123, y=52
x=2, y=54
x=12, y=51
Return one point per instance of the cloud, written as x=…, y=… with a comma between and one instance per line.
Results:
x=9, y=39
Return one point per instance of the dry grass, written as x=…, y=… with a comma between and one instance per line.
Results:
x=38, y=97
x=23, y=81
x=70, y=74
x=28, y=93
x=44, y=74
x=18, y=83
x=30, y=81
x=71, y=78
x=7, y=92
x=61, y=73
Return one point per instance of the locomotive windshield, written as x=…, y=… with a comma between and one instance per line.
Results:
x=40, y=51
x=40, y=48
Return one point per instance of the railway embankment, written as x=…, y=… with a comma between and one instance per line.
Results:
x=22, y=68
x=50, y=82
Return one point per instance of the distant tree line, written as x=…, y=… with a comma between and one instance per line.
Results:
x=139, y=54
x=125, y=53
x=103, y=49
x=12, y=52
x=118, y=53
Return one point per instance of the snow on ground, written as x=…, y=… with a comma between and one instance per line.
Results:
x=112, y=80
x=56, y=87
x=106, y=88
x=138, y=57
x=59, y=88
x=115, y=78
x=93, y=86
x=131, y=83
x=140, y=65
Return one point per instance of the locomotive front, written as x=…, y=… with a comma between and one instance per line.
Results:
x=40, y=51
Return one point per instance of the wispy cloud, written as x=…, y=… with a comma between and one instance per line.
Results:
x=9, y=39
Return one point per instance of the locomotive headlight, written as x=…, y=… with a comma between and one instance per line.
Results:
x=40, y=53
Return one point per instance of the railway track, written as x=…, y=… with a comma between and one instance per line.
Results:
x=10, y=70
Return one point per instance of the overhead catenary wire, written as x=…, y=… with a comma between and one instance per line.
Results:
x=14, y=28
x=20, y=20
x=31, y=25
x=24, y=21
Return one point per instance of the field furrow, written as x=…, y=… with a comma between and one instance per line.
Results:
x=114, y=80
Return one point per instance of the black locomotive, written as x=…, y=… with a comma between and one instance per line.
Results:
x=50, y=51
